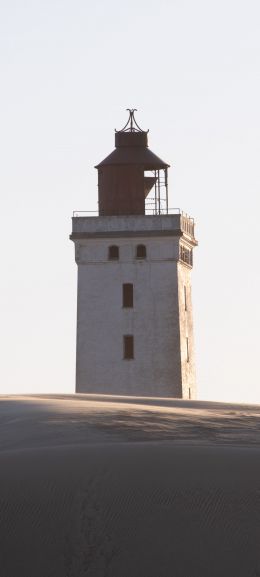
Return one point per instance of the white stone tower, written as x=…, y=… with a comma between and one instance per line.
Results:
x=134, y=320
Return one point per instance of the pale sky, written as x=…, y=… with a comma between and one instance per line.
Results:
x=69, y=69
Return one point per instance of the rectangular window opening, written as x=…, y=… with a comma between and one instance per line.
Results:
x=113, y=252
x=186, y=255
x=187, y=349
x=128, y=295
x=128, y=347
x=185, y=298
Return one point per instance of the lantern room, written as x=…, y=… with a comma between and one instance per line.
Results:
x=132, y=180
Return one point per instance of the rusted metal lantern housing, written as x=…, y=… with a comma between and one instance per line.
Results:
x=132, y=179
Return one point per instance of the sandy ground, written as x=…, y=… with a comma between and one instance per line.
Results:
x=95, y=486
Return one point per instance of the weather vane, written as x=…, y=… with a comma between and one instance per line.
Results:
x=131, y=125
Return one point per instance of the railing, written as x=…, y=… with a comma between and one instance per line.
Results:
x=79, y=213
x=149, y=211
x=187, y=223
x=160, y=211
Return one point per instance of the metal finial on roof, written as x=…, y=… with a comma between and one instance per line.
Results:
x=131, y=125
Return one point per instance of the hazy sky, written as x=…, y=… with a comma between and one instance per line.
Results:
x=69, y=69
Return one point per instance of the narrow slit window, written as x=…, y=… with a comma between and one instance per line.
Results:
x=185, y=298
x=128, y=347
x=128, y=295
x=113, y=252
x=141, y=251
x=187, y=350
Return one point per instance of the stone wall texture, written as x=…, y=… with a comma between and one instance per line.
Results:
x=160, y=320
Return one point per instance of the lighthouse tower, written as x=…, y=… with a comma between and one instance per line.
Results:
x=134, y=314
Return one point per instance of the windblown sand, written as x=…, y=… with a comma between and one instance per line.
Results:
x=96, y=486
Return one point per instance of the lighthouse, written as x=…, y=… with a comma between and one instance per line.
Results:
x=134, y=258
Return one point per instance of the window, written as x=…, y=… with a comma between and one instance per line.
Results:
x=186, y=254
x=128, y=295
x=141, y=251
x=113, y=252
x=185, y=298
x=187, y=350
x=128, y=347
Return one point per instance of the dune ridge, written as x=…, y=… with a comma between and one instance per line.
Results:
x=99, y=486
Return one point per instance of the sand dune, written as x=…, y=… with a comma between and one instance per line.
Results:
x=95, y=486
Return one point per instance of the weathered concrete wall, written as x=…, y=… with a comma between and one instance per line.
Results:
x=158, y=320
x=186, y=332
x=126, y=224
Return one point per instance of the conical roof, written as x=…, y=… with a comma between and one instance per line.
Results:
x=134, y=155
x=132, y=148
